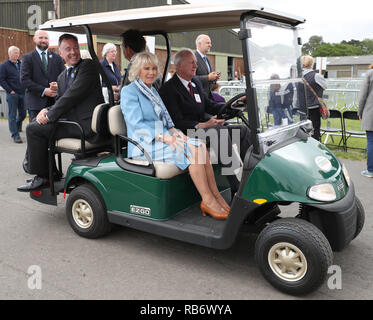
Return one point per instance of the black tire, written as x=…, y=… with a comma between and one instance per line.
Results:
x=86, y=212
x=360, y=219
x=292, y=274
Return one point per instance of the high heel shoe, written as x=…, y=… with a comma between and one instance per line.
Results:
x=220, y=215
x=222, y=202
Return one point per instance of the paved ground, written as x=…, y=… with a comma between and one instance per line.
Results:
x=129, y=264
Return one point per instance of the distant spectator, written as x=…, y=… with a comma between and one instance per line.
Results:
x=109, y=52
x=318, y=84
x=274, y=101
x=366, y=116
x=10, y=81
x=215, y=93
x=204, y=72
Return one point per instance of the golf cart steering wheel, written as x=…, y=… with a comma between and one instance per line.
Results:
x=227, y=112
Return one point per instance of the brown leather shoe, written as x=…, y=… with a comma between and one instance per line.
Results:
x=220, y=215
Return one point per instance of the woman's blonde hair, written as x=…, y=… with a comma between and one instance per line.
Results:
x=139, y=60
x=371, y=66
x=307, y=62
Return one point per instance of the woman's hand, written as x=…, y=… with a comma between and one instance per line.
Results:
x=178, y=134
x=174, y=142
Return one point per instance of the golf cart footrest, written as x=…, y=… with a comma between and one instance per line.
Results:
x=44, y=195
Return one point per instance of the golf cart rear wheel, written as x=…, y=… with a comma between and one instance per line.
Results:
x=86, y=212
x=293, y=255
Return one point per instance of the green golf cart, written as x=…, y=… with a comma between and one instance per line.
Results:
x=283, y=166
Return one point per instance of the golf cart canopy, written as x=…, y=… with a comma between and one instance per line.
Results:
x=168, y=19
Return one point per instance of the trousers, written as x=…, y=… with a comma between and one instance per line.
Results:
x=370, y=151
x=38, y=136
x=221, y=139
x=16, y=113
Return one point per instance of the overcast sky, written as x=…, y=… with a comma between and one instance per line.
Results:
x=334, y=20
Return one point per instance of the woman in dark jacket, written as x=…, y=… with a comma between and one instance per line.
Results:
x=109, y=52
x=318, y=84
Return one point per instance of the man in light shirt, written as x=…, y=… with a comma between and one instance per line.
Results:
x=204, y=70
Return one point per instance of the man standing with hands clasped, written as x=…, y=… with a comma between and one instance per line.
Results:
x=39, y=72
x=204, y=70
x=79, y=92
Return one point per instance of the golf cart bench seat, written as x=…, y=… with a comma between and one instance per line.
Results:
x=81, y=146
x=117, y=126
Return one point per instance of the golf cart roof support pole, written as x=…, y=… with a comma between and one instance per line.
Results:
x=168, y=46
x=298, y=44
x=95, y=59
x=251, y=99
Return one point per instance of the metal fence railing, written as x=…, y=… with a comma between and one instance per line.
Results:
x=342, y=95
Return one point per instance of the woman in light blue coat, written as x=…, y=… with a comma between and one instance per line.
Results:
x=149, y=123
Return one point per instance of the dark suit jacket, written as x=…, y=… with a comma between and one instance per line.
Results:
x=184, y=110
x=83, y=94
x=35, y=81
x=202, y=74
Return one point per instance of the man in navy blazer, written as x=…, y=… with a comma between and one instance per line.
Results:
x=79, y=92
x=187, y=102
x=39, y=71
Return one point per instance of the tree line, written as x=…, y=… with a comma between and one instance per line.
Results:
x=316, y=47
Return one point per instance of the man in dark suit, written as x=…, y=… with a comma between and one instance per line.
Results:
x=187, y=103
x=204, y=70
x=79, y=92
x=39, y=71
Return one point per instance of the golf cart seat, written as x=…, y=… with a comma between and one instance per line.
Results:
x=117, y=127
x=79, y=146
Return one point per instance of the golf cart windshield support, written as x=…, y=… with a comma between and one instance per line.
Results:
x=95, y=58
x=251, y=100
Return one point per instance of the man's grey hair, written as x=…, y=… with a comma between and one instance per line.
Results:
x=199, y=38
x=12, y=48
x=179, y=56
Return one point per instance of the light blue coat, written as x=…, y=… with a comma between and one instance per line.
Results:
x=143, y=125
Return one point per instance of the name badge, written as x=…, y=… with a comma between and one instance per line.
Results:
x=198, y=98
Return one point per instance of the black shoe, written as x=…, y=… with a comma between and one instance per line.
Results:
x=34, y=184
x=17, y=140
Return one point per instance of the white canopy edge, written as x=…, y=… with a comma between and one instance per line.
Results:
x=175, y=18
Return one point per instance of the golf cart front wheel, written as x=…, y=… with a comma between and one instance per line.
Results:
x=86, y=212
x=293, y=255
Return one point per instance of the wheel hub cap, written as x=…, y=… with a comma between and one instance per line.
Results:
x=287, y=261
x=82, y=213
